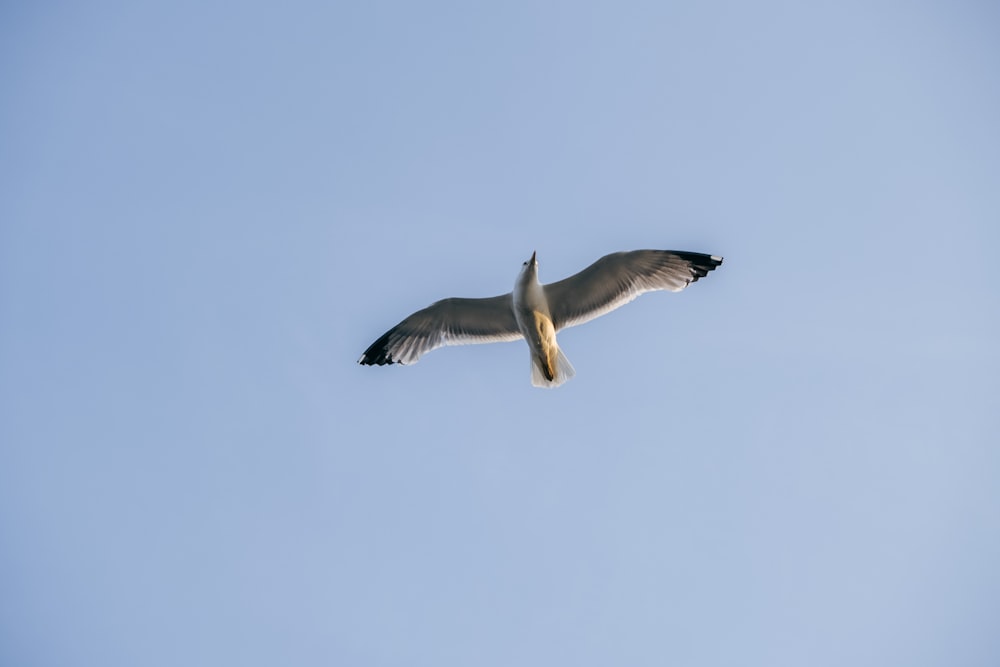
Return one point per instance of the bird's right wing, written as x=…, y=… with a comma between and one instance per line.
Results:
x=453, y=321
x=615, y=279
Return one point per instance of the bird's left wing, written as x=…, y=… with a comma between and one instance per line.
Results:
x=615, y=279
x=454, y=321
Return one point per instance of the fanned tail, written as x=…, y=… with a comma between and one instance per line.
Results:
x=563, y=370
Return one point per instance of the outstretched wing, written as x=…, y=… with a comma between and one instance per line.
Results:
x=615, y=279
x=448, y=322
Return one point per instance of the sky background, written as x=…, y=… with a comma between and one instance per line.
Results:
x=209, y=210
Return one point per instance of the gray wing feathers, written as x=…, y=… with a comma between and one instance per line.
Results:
x=616, y=279
x=453, y=321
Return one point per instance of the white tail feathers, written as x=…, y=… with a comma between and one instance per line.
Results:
x=563, y=371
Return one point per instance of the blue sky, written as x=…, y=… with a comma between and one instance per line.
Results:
x=208, y=212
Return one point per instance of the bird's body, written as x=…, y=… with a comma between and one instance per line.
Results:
x=535, y=312
x=549, y=366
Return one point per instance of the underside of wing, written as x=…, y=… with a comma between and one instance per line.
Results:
x=454, y=321
x=616, y=279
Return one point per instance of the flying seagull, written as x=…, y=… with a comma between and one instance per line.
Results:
x=536, y=312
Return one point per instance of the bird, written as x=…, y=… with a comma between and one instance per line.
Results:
x=536, y=312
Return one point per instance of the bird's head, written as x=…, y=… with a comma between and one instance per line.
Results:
x=529, y=270
x=531, y=265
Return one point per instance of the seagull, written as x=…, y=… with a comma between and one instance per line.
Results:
x=536, y=312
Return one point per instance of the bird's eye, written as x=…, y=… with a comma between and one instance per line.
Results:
x=524, y=264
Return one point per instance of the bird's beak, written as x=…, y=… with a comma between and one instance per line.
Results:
x=533, y=257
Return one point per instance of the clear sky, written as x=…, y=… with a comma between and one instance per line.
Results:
x=208, y=210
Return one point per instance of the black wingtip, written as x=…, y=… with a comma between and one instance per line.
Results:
x=377, y=353
x=701, y=264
